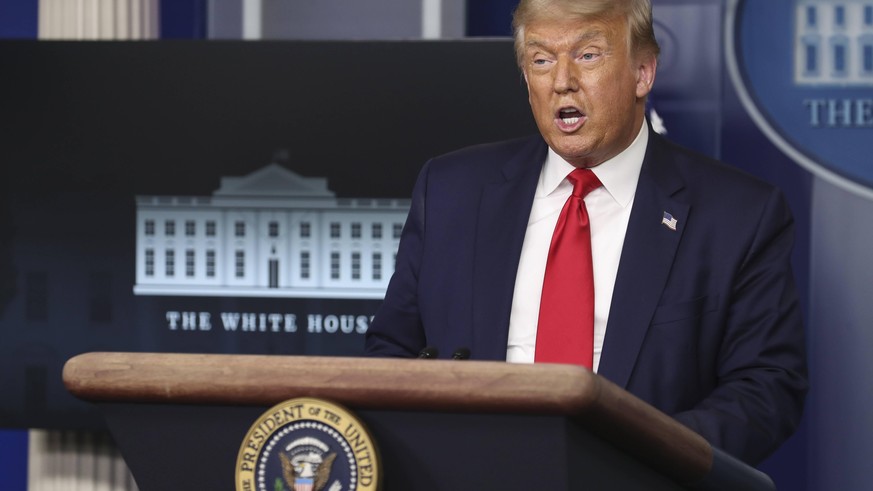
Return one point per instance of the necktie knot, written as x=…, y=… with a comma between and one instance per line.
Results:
x=584, y=181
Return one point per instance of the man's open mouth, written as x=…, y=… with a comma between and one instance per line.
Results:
x=569, y=115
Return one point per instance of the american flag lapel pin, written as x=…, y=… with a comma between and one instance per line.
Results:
x=669, y=221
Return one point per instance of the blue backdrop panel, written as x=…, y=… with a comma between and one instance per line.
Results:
x=19, y=19
x=183, y=19
x=13, y=460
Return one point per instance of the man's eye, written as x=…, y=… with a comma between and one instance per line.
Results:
x=588, y=56
x=539, y=62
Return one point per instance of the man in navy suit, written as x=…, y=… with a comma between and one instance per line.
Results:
x=695, y=309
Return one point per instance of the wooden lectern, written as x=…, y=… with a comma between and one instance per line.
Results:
x=179, y=421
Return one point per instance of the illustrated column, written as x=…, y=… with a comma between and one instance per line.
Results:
x=99, y=19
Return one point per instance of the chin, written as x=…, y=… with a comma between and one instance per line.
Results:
x=573, y=154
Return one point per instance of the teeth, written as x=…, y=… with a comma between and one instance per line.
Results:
x=569, y=115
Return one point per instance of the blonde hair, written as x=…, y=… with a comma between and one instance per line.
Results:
x=641, y=34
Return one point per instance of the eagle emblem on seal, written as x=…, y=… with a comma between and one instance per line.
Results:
x=306, y=464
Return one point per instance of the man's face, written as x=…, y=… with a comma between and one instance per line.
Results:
x=586, y=91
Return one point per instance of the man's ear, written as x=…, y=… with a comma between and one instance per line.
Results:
x=646, y=69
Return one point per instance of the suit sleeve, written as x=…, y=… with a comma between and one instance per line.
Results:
x=396, y=330
x=761, y=366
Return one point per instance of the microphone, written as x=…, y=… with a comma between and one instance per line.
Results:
x=428, y=352
x=461, y=354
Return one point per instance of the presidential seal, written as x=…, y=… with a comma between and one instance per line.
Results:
x=308, y=444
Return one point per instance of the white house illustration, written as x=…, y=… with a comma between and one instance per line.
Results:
x=271, y=233
x=833, y=42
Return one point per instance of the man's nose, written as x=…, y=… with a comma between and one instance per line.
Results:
x=566, y=77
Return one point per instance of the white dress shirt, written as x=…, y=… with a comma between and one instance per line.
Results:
x=609, y=208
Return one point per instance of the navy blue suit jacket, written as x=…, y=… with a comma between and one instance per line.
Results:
x=704, y=324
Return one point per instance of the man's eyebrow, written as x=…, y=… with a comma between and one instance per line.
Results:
x=534, y=44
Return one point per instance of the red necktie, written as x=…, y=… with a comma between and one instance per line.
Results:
x=565, y=331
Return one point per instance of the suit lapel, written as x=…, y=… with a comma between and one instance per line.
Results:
x=646, y=259
x=504, y=211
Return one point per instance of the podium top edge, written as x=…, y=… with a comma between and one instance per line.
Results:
x=375, y=383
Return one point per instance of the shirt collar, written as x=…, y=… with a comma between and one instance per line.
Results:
x=619, y=174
